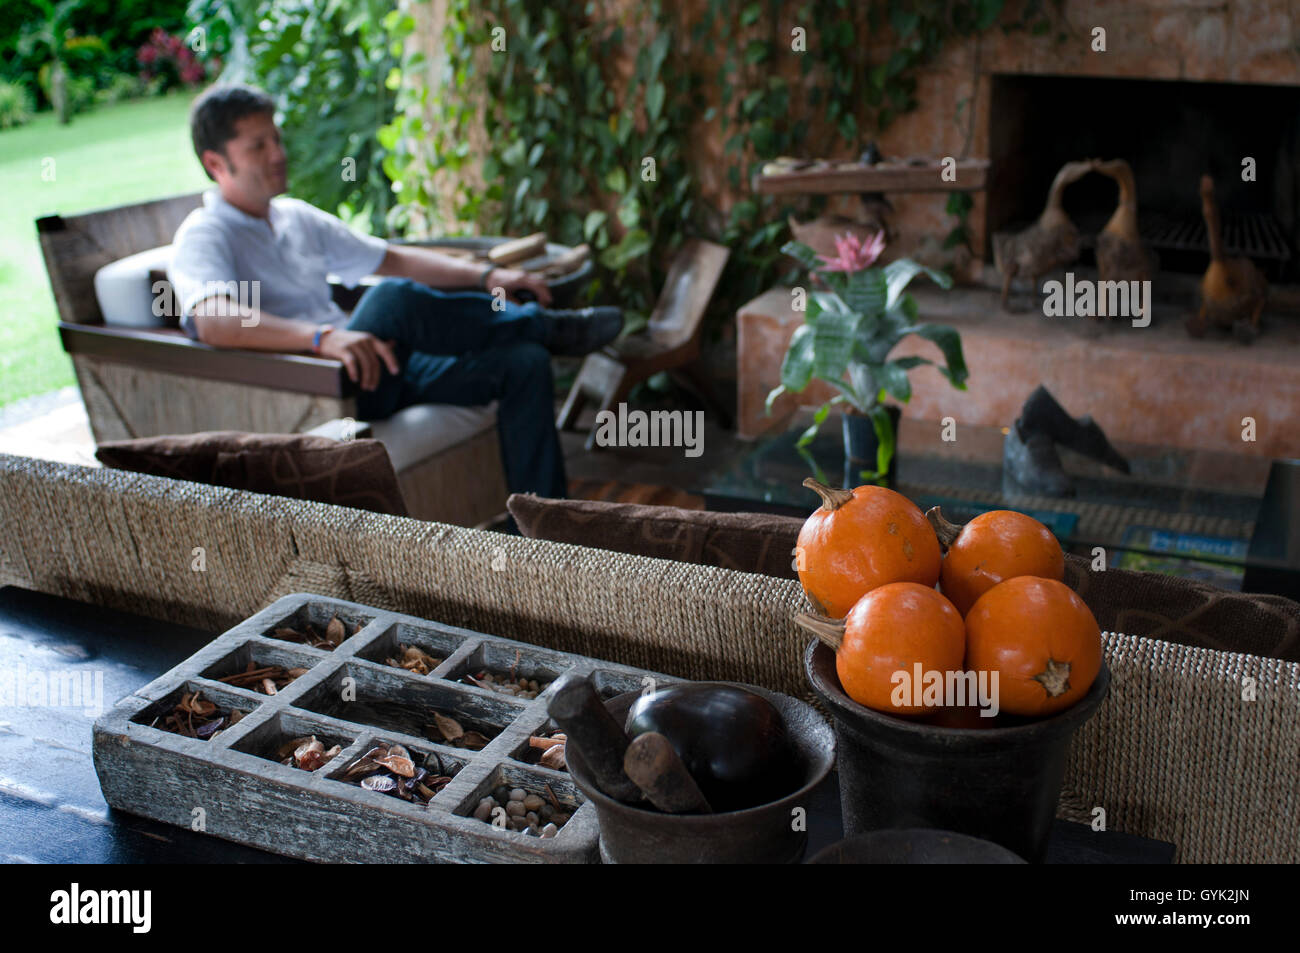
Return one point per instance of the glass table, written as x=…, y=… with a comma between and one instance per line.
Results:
x=1214, y=516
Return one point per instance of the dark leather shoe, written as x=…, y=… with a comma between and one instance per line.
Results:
x=1043, y=415
x=1031, y=463
x=575, y=333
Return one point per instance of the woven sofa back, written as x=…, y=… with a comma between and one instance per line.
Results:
x=1175, y=752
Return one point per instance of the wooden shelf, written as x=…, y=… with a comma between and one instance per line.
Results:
x=890, y=176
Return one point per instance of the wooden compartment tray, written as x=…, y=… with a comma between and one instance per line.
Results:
x=233, y=787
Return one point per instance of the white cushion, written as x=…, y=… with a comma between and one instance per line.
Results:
x=418, y=432
x=124, y=292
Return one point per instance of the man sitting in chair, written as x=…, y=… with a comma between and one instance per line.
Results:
x=405, y=343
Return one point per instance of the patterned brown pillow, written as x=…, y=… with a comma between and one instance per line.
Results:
x=1160, y=606
x=354, y=473
x=748, y=542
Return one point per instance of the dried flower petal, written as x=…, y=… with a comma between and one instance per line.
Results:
x=335, y=632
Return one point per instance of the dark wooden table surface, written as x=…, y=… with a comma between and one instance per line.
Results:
x=51, y=808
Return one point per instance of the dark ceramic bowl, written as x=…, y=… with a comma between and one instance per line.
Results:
x=917, y=846
x=1001, y=784
x=766, y=834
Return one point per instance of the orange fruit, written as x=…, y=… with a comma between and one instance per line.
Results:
x=860, y=539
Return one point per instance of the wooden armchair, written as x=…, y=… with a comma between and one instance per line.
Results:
x=142, y=382
x=670, y=342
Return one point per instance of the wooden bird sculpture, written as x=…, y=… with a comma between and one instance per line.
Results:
x=1049, y=243
x=1121, y=256
x=1233, y=290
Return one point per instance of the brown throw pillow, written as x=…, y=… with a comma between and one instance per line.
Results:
x=748, y=542
x=1160, y=606
x=354, y=473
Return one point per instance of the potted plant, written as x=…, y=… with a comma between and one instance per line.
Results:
x=851, y=325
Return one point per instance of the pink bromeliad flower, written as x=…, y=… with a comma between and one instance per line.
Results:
x=855, y=254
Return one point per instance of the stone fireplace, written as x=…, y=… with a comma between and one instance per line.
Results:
x=1170, y=132
x=1181, y=89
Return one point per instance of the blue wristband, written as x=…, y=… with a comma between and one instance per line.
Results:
x=320, y=333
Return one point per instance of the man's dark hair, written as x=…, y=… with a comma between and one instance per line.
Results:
x=214, y=114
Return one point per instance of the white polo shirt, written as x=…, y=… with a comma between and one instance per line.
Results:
x=281, y=262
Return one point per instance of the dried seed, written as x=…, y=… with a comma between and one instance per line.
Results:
x=380, y=782
x=309, y=745
x=402, y=767
x=554, y=759
x=208, y=729
x=449, y=728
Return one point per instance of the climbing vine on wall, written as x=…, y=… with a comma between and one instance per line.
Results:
x=567, y=139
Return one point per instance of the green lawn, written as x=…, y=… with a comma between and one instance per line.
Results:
x=111, y=156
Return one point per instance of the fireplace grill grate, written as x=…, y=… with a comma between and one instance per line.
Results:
x=1244, y=234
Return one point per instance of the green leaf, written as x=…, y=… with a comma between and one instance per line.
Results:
x=864, y=386
x=513, y=154
x=883, y=424
x=833, y=344
x=592, y=222
x=755, y=52
x=797, y=367
x=865, y=291
x=959, y=203
x=772, y=396
x=828, y=301
x=901, y=272
x=949, y=342
x=878, y=336
x=629, y=212
x=654, y=100
x=802, y=254
x=616, y=179
x=893, y=379
x=819, y=418
x=749, y=16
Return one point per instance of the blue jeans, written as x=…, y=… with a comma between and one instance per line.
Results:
x=455, y=349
